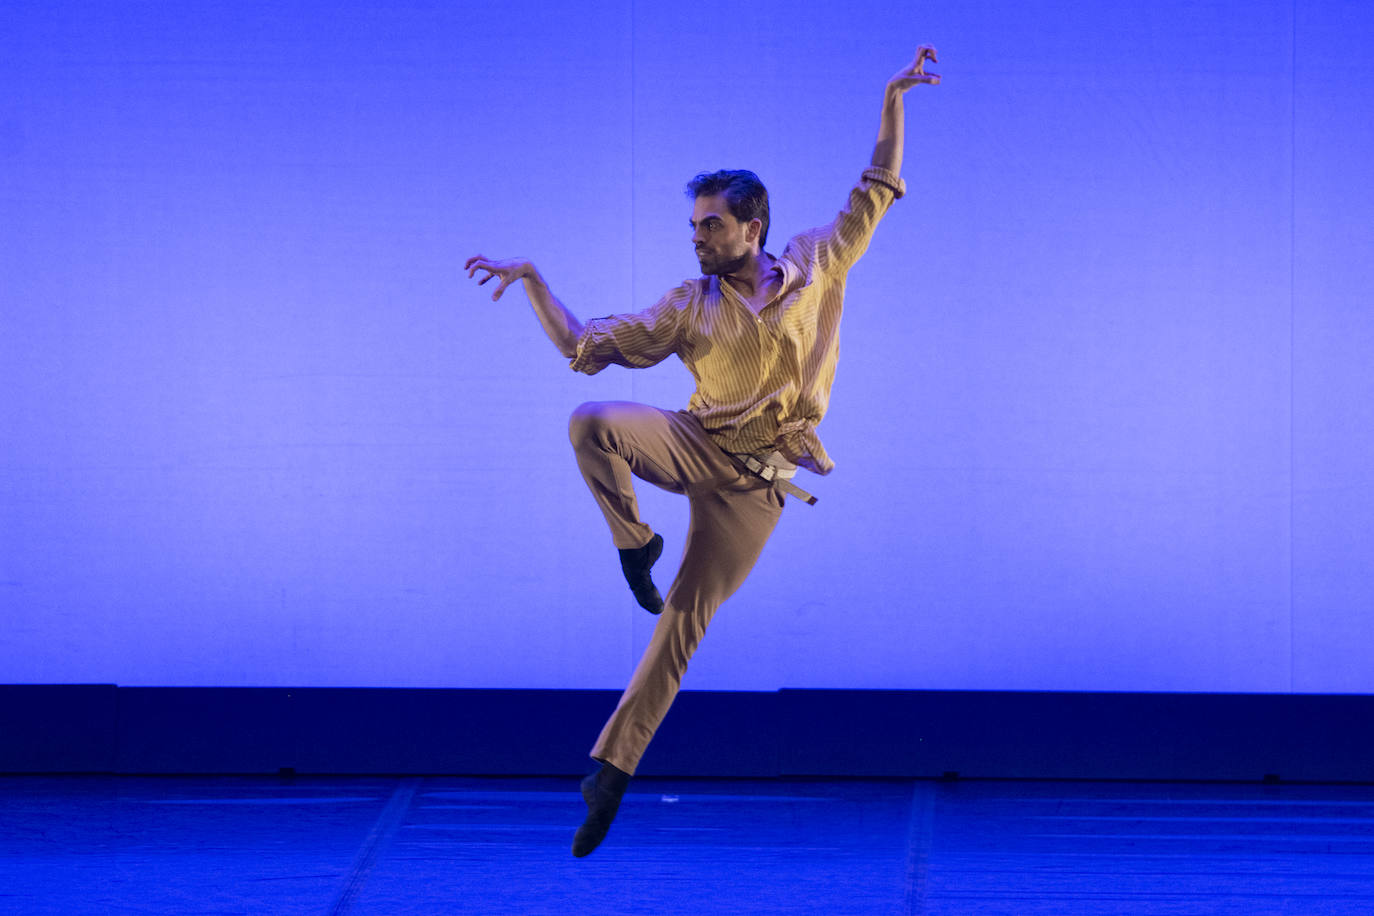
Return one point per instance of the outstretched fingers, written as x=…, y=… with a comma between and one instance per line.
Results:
x=505, y=271
x=475, y=263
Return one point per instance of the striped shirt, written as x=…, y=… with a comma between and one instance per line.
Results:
x=763, y=380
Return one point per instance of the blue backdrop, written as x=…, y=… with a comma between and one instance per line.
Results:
x=1104, y=410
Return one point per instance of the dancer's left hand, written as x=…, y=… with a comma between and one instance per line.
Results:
x=916, y=74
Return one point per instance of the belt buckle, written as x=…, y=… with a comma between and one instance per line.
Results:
x=757, y=467
x=769, y=473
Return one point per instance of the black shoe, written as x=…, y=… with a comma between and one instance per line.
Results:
x=636, y=563
x=602, y=791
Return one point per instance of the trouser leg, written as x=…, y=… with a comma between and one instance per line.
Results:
x=616, y=441
x=729, y=526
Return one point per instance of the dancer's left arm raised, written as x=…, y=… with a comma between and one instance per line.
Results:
x=887, y=152
x=844, y=241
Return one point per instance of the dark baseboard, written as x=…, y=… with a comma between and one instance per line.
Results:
x=104, y=728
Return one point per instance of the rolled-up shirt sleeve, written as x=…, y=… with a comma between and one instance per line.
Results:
x=635, y=341
x=845, y=240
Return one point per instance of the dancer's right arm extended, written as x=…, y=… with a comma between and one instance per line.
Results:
x=560, y=324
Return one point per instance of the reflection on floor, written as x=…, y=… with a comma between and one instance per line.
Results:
x=383, y=845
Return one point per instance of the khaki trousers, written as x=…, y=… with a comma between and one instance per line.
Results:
x=732, y=514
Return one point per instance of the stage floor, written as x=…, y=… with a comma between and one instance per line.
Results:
x=384, y=845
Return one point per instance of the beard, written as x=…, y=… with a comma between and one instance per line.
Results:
x=719, y=266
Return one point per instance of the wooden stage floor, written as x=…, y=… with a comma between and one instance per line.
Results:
x=433, y=845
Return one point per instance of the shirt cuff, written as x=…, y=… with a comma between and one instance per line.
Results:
x=887, y=177
x=582, y=361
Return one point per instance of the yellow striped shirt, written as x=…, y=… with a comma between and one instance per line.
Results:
x=763, y=381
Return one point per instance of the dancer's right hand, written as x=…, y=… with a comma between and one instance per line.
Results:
x=506, y=271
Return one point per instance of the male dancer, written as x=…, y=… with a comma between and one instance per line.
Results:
x=760, y=334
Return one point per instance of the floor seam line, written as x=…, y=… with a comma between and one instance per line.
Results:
x=381, y=834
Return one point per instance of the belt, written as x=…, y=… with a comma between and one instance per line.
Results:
x=779, y=475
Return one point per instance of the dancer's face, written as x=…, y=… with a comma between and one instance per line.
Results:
x=723, y=244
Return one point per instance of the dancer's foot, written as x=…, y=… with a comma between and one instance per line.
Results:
x=636, y=563
x=602, y=792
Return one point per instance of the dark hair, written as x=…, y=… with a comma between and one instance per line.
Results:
x=744, y=193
